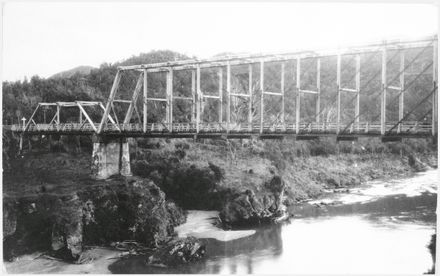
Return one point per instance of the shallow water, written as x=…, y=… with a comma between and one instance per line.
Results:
x=381, y=228
x=201, y=224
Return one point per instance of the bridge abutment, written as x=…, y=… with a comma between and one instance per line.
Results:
x=110, y=157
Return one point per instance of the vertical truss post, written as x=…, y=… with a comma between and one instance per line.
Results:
x=220, y=95
x=198, y=100
x=58, y=121
x=58, y=114
x=145, y=100
x=298, y=95
x=21, y=142
x=283, y=65
x=110, y=101
x=250, y=97
x=167, y=102
x=80, y=117
x=383, y=102
x=338, y=86
x=170, y=98
x=358, y=92
x=228, y=88
x=434, y=83
x=193, y=95
x=318, y=87
x=261, y=95
x=402, y=89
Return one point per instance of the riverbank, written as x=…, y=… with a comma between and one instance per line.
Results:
x=368, y=233
x=253, y=181
x=409, y=216
x=248, y=183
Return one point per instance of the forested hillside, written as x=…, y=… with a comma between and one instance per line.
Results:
x=21, y=97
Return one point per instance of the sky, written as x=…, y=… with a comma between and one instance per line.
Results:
x=47, y=38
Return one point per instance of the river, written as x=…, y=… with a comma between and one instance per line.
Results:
x=383, y=227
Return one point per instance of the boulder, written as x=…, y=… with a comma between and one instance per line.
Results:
x=177, y=252
x=251, y=208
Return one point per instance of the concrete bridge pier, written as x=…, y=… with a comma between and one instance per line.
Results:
x=111, y=156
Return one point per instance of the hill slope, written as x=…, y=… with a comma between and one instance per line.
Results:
x=83, y=69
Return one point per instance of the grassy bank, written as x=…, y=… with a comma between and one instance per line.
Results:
x=192, y=172
x=308, y=168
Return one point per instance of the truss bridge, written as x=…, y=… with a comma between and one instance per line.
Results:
x=386, y=90
x=318, y=93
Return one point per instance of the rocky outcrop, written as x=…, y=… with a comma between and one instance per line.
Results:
x=9, y=216
x=191, y=187
x=177, y=252
x=33, y=222
x=250, y=208
x=116, y=210
x=67, y=227
x=416, y=164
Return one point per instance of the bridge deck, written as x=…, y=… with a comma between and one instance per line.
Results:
x=407, y=129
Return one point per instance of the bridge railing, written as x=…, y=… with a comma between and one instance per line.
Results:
x=408, y=127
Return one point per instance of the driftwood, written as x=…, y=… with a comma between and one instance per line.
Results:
x=131, y=247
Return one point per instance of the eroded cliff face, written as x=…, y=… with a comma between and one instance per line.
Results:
x=258, y=198
x=116, y=210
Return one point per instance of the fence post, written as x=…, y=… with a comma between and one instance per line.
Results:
x=383, y=102
x=434, y=83
x=338, y=86
x=261, y=96
x=298, y=95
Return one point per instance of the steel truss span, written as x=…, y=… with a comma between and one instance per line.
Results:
x=402, y=68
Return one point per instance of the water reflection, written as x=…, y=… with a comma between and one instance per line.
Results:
x=236, y=256
x=351, y=244
x=385, y=234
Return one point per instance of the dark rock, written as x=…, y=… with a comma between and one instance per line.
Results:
x=121, y=209
x=129, y=211
x=189, y=186
x=218, y=172
x=416, y=164
x=34, y=217
x=67, y=229
x=333, y=182
x=9, y=216
x=177, y=215
x=177, y=252
x=249, y=208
